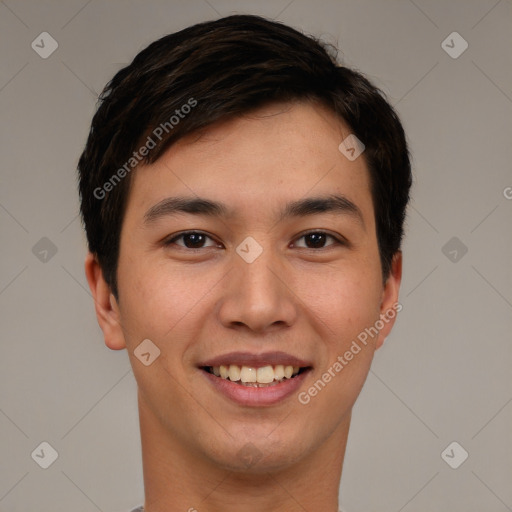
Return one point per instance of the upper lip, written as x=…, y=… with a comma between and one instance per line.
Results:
x=256, y=360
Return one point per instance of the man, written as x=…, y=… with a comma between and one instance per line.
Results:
x=244, y=197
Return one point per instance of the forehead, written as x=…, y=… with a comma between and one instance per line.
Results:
x=292, y=133
x=280, y=152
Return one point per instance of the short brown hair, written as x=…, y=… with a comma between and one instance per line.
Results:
x=222, y=69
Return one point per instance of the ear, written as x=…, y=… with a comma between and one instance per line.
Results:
x=107, y=309
x=390, y=306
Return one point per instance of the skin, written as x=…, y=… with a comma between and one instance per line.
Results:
x=296, y=297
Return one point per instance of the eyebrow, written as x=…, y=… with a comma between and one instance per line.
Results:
x=191, y=205
x=315, y=205
x=299, y=208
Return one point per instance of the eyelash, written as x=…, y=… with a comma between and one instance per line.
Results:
x=172, y=240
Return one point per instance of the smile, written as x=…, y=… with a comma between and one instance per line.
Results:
x=250, y=376
x=281, y=382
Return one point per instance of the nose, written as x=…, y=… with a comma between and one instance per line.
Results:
x=258, y=296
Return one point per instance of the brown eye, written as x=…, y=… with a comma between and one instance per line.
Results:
x=318, y=239
x=193, y=240
x=190, y=240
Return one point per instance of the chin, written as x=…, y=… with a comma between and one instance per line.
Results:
x=251, y=454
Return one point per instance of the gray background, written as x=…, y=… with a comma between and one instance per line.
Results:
x=443, y=375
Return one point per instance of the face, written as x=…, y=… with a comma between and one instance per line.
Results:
x=270, y=260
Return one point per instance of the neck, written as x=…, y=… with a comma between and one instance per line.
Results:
x=177, y=480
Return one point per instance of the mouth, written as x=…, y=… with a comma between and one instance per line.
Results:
x=256, y=380
x=256, y=377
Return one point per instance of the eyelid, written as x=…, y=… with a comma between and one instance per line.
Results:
x=176, y=236
x=339, y=240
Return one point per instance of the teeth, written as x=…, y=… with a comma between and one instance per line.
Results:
x=234, y=372
x=249, y=375
x=279, y=372
x=223, y=370
x=265, y=375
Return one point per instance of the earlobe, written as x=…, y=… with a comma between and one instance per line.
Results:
x=107, y=309
x=390, y=306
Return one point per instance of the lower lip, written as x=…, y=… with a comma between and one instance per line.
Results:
x=254, y=396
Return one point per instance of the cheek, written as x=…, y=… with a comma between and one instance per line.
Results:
x=160, y=300
x=347, y=308
x=346, y=301
x=161, y=305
